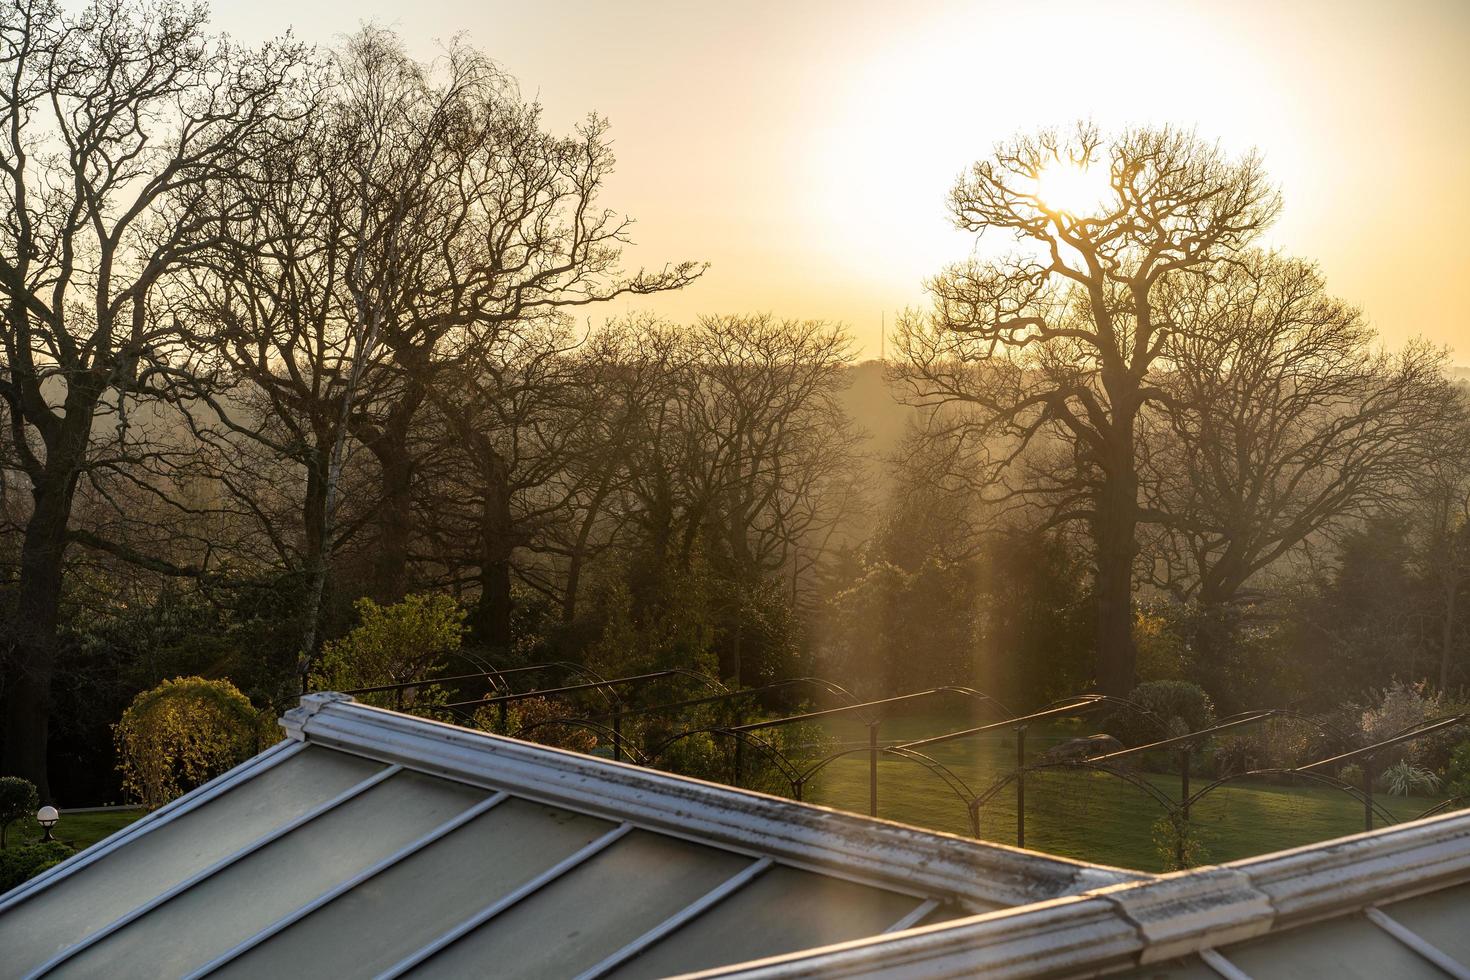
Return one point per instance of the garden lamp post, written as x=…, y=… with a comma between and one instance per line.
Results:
x=47, y=817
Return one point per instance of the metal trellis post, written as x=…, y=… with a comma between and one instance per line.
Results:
x=617, y=727
x=1368, y=793
x=873, y=769
x=1184, y=757
x=1020, y=785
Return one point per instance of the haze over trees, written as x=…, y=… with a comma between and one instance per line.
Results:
x=285, y=330
x=1135, y=363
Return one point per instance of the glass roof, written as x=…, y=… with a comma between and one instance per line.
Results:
x=322, y=854
x=376, y=844
x=1424, y=938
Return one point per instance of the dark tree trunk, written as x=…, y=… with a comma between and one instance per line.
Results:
x=391, y=447
x=33, y=634
x=390, y=564
x=492, y=612
x=316, y=521
x=1115, y=528
x=1447, y=631
x=579, y=553
x=492, y=624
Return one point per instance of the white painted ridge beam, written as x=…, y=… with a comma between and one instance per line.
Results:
x=877, y=852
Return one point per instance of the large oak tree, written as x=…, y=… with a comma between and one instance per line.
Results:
x=112, y=121
x=1056, y=343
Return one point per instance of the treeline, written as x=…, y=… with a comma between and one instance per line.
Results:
x=284, y=329
x=1268, y=503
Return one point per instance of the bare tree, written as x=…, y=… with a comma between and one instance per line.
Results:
x=507, y=229
x=748, y=456
x=778, y=446
x=506, y=422
x=113, y=119
x=629, y=373
x=1059, y=341
x=1280, y=423
x=1440, y=499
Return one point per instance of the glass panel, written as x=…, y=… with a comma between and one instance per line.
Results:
x=943, y=913
x=1349, y=946
x=1442, y=918
x=242, y=899
x=781, y=911
x=1184, y=968
x=100, y=893
x=422, y=897
x=590, y=912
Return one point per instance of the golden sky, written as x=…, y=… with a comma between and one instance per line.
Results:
x=805, y=149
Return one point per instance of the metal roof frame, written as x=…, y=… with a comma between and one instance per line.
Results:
x=935, y=870
x=877, y=852
x=1029, y=914
x=1202, y=912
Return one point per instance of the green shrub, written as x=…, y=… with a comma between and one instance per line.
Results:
x=533, y=720
x=394, y=644
x=1235, y=754
x=18, y=800
x=1403, y=778
x=1177, y=843
x=183, y=733
x=1457, y=773
x=1178, y=706
x=21, y=863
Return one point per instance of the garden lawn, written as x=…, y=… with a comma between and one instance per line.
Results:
x=79, y=830
x=1091, y=816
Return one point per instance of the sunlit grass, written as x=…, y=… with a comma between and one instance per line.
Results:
x=1090, y=816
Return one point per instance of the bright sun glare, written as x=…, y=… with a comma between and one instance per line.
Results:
x=1073, y=189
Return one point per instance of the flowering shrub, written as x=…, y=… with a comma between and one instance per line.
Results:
x=1400, y=706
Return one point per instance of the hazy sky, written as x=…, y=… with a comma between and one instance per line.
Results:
x=805, y=149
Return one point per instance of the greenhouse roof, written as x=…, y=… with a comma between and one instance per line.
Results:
x=1387, y=903
x=373, y=843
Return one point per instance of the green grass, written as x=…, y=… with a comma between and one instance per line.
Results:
x=80, y=830
x=1088, y=815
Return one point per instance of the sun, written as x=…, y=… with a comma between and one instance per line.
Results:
x=1075, y=190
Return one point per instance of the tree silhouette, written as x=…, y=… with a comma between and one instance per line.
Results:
x=1053, y=348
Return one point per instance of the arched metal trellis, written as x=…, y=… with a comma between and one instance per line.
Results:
x=951, y=778
x=778, y=758
x=870, y=713
x=1017, y=777
x=615, y=738
x=620, y=713
x=1371, y=807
